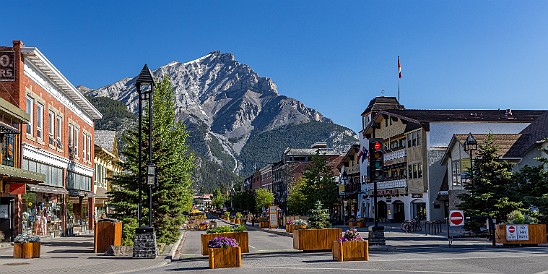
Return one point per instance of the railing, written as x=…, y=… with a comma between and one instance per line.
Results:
x=395, y=155
x=400, y=183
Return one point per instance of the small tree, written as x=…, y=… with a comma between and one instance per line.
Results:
x=218, y=199
x=263, y=198
x=319, y=218
x=320, y=185
x=296, y=200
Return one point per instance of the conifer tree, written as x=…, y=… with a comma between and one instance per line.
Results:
x=174, y=163
x=319, y=218
x=532, y=186
x=319, y=183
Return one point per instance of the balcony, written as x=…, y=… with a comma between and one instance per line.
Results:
x=399, y=183
x=395, y=155
x=353, y=169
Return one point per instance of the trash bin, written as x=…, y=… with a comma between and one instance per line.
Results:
x=107, y=232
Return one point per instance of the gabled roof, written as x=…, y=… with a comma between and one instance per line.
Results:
x=506, y=144
x=40, y=61
x=536, y=132
x=310, y=151
x=382, y=103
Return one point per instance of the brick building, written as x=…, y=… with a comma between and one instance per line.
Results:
x=57, y=142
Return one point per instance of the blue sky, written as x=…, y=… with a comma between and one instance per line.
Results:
x=334, y=56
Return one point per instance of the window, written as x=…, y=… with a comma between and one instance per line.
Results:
x=84, y=146
x=59, y=132
x=8, y=149
x=76, y=133
x=456, y=173
x=51, y=132
x=89, y=146
x=71, y=136
x=39, y=121
x=30, y=108
x=419, y=168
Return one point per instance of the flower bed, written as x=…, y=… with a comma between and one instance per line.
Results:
x=224, y=252
x=351, y=247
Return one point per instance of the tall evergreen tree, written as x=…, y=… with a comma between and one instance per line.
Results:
x=174, y=163
x=489, y=193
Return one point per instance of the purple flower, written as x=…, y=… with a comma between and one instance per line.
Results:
x=351, y=235
x=222, y=242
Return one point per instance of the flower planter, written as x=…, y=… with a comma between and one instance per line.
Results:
x=225, y=257
x=264, y=224
x=351, y=251
x=36, y=249
x=27, y=250
x=361, y=224
x=289, y=228
x=537, y=235
x=17, y=250
x=241, y=237
x=351, y=223
x=315, y=239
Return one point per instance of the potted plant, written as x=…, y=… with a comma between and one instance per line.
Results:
x=203, y=225
x=239, y=217
x=351, y=247
x=521, y=229
x=361, y=222
x=227, y=215
x=352, y=222
x=263, y=222
x=224, y=252
x=26, y=246
x=299, y=224
x=320, y=236
x=236, y=232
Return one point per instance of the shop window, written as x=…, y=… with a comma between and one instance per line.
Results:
x=8, y=149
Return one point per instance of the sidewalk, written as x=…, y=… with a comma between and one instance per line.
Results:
x=75, y=255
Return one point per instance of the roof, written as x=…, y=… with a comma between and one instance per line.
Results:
x=507, y=144
x=39, y=60
x=310, y=151
x=537, y=131
x=382, y=103
x=105, y=139
x=527, y=116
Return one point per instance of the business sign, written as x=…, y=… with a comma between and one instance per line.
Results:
x=456, y=217
x=273, y=213
x=517, y=232
x=7, y=66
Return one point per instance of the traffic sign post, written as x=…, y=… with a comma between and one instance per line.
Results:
x=456, y=218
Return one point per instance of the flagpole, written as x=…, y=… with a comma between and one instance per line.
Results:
x=399, y=76
x=398, y=88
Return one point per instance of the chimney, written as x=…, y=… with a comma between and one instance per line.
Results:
x=508, y=113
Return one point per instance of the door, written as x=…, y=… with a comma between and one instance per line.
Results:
x=399, y=212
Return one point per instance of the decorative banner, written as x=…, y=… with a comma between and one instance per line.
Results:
x=17, y=188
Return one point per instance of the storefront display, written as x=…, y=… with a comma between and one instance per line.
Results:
x=42, y=214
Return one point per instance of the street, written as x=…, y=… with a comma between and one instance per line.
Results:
x=404, y=253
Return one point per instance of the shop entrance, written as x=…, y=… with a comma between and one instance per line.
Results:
x=399, y=212
x=6, y=218
x=419, y=210
x=383, y=211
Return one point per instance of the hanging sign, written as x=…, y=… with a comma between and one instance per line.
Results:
x=273, y=213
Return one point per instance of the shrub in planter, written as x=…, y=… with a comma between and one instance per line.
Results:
x=224, y=252
x=351, y=247
x=319, y=218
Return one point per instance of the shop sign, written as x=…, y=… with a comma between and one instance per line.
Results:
x=17, y=188
x=419, y=195
x=7, y=67
x=273, y=213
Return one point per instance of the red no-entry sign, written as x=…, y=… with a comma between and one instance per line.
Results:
x=456, y=217
x=512, y=229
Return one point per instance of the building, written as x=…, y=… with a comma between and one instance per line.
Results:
x=350, y=189
x=415, y=142
x=518, y=149
x=56, y=142
x=106, y=165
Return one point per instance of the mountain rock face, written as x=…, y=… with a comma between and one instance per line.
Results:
x=223, y=103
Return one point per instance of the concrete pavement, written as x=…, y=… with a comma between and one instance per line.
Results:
x=75, y=255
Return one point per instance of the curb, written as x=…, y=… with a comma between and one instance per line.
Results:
x=173, y=253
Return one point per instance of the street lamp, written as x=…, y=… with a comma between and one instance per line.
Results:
x=344, y=181
x=144, y=78
x=151, y=180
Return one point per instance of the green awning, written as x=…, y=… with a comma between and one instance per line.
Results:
x=13, y=112
x=12, y=174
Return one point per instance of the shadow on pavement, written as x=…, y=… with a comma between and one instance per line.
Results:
x=188, y=268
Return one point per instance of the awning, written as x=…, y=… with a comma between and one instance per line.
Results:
x=80, y=193
x=12, y=174
x=13, y=112
x=46, y=189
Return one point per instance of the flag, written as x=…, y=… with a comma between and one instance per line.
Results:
x=362, y=154
x=399, y=68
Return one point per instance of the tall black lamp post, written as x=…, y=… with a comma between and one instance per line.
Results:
x=145, y=239
x=344, y=181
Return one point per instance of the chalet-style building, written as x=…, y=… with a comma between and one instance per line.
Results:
x=106, y=165
x=415, y=142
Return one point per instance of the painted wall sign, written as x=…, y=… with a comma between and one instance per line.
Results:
x=7, y=66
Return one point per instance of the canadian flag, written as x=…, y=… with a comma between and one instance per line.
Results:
x=399, y=68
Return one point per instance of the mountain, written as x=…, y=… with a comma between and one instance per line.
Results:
x=227, y=107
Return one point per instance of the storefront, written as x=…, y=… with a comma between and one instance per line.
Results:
x=43, y=211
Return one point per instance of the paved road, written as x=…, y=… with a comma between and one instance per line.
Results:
x=406, y=253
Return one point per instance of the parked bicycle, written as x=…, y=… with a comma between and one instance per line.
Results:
x=412, y=225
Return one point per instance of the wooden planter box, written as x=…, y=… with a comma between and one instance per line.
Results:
x=352, y=223
x=289, y=228
x=315, y=239
x=265, y=224
x=361, y=224
x=203, y=227
x=241, y=237
x=225, y=257
x=537, y=235
x=26, y=250
x=351, y=251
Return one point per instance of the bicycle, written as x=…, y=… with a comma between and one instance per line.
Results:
x=412, y=225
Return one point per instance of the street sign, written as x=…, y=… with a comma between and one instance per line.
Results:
x=456, y=217
x=511, y=234
x=517, y=232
